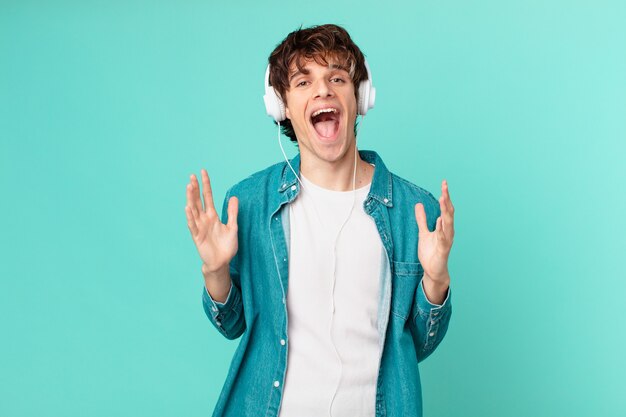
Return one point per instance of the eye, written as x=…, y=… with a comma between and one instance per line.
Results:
x=338, y=80
x=301, y=83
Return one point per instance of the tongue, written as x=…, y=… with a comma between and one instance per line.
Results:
x=326, y=128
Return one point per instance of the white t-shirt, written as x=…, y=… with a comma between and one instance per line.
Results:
x=333, y=348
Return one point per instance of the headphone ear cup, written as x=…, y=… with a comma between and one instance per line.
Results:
x=281, y=106
x=367, y=93
x=274, y=106
x=364, y=96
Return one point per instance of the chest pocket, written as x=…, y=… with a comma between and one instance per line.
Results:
x=405, y=279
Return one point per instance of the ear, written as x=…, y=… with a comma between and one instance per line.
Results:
x=287, y=113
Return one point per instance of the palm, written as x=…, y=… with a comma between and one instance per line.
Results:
x=433, y=258
x=215, y=241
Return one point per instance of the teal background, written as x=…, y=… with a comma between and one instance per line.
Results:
x=107, y=107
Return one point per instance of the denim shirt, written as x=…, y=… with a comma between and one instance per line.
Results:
x=410, y=327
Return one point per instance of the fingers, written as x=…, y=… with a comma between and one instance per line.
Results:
x=445, y=193
x=233, y=209
x=420, y=217
x=190, y=199
x=196, y=203
x=447, y=211
x=191, y=221
x=438, y=225
x=209, y=206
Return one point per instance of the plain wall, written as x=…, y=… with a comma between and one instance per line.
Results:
x=107, y=107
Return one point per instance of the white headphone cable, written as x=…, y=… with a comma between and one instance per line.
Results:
x=332, y=299
x=334, y=252
x=285, y=155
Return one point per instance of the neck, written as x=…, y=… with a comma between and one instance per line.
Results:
x=337, y=175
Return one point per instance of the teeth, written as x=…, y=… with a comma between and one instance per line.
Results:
x=320, y=111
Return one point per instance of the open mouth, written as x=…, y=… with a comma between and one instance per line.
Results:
x=326, y=122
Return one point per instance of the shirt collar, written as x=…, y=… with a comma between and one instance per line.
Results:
x=380, y=189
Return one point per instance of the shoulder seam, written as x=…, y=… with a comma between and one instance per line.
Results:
x=413, y=186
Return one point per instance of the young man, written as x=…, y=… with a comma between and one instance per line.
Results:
x=332, y=269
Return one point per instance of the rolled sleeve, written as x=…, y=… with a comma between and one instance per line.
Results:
x=424, y=304
x=227, y=317
x=431, y=320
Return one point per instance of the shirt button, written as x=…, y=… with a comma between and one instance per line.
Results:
x=284, y=259
x=385, y=200
x=276, y=384
x=282, y=342
x=284, y=186
x=435, y=314
x=431, y=334
x=214, y=308
x=293, y=188
x=219, y=323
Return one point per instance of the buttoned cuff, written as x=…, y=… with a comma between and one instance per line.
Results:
x=432, y=319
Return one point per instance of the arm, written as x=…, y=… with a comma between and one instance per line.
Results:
x=217, y=245
x=226, y=316
x=432, y=307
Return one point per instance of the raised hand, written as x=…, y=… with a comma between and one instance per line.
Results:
x=433, y=248
x=216, y=242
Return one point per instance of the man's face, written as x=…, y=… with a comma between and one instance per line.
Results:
x=321, y=106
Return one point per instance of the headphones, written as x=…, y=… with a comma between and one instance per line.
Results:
x=276, y=108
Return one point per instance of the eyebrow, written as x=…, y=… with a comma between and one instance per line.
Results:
x=306, y=72
x=295, y=74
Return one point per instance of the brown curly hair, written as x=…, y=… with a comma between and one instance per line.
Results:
x=318, y=43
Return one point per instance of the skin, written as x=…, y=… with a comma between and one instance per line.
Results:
x=329, y=164
x=434, y=247
x=215, y=241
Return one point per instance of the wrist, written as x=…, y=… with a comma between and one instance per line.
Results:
x=217, y=283
x=438, y=282
x=435, y=290
x=218, y=274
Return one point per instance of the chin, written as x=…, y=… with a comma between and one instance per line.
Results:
x=331, y=150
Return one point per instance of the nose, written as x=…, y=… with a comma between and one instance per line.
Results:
x=323, y=88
